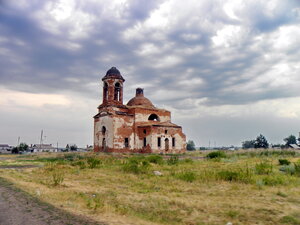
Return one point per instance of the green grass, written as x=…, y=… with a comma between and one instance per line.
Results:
x=234, y=189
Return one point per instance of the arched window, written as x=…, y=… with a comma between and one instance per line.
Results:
x=105, y=90
x=153, y=117
x=103, y=130
x=117, y=92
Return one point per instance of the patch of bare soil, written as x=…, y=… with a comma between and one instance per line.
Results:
x=19, y=208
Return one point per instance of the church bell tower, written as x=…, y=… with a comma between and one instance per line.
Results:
x=112, y=88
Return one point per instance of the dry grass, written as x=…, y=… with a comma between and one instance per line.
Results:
x=189, y=191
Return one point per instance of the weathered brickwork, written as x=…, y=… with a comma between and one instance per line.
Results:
x=137, y=127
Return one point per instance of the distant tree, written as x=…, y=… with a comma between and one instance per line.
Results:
x=190, y=145
x=261, y=142
x=67, y=148
x=290, y=140
x=22, y=147
x=15, y=150
x=248, y=144
x=73, y=147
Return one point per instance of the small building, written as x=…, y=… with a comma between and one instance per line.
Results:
x=43, y=148
x=294, y=146
x=5, y=148
x=137, y=126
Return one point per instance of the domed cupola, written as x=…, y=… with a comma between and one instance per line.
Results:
x=140, y=100
x=113, y=88
x=113, y=73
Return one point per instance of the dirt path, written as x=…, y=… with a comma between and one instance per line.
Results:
x=19, y=208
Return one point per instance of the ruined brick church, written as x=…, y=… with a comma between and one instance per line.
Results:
x=137, y=127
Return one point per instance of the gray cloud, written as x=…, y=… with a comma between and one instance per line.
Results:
x=233, y=53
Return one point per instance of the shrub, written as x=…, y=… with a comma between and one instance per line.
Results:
x=273, y=180
x=156, y=159
x=297, y=169
x=136, y=165
x=57, y=177
x=284, y=162
x=243, y=175
x=80, y=163
x=188, y=161
x=188, y=176
x=264, y=168
x=218, y=154
x=173, y=160
x=289, y=220
x=228, y=175
x=288, y=169
x=93, y=162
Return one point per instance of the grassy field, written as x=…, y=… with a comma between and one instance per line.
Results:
x=255, y=187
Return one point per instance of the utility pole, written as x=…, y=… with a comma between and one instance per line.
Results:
x=18, y=141
x=41, y=139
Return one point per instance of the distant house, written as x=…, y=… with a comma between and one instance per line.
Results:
x=4, y=148
x=294, y=146
x=43, y=148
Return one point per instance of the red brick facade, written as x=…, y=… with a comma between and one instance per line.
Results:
x=136, y=127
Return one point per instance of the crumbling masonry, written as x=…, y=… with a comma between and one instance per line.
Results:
x=136, y=127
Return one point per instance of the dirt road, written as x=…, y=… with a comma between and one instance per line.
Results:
x=19, y=208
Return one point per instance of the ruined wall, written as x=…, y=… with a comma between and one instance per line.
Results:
x=142, y=114
x=107, y=122
x=168, y=133
x=123, y=128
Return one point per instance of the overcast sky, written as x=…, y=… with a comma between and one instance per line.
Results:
x=228, y=70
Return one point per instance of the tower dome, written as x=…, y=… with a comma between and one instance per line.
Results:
x=113, y=73
x=140, y=100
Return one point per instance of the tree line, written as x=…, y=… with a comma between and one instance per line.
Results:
x=261, y=142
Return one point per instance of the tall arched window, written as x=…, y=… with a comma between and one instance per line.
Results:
x=105, y=90
x=153, y=117
x=117, y=92
x=103, y=130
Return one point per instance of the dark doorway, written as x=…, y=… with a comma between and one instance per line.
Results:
x=166, y=144
x=104, y=144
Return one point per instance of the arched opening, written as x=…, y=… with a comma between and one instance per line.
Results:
x=166, y=144
x=103, y=130
x=105, y=91
x=104, y=144
x=153, y=117
x=117, y=92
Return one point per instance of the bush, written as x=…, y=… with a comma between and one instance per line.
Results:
x=297, y=169
x=288, y=169
x=243, y=175
x=93, y=162
x=273, y=180
x=264, y=168
x=80, y=163
x=187, y=176
x=173, y=160
x=156, y=159
x=218, y=154
x=228, y=175
x=57, y=177
x=284, y=162
x=136, y=165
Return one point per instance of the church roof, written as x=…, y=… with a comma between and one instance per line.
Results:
x=140, y=101
x=113, y=73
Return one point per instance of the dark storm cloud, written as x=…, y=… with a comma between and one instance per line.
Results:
x=42, y=64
